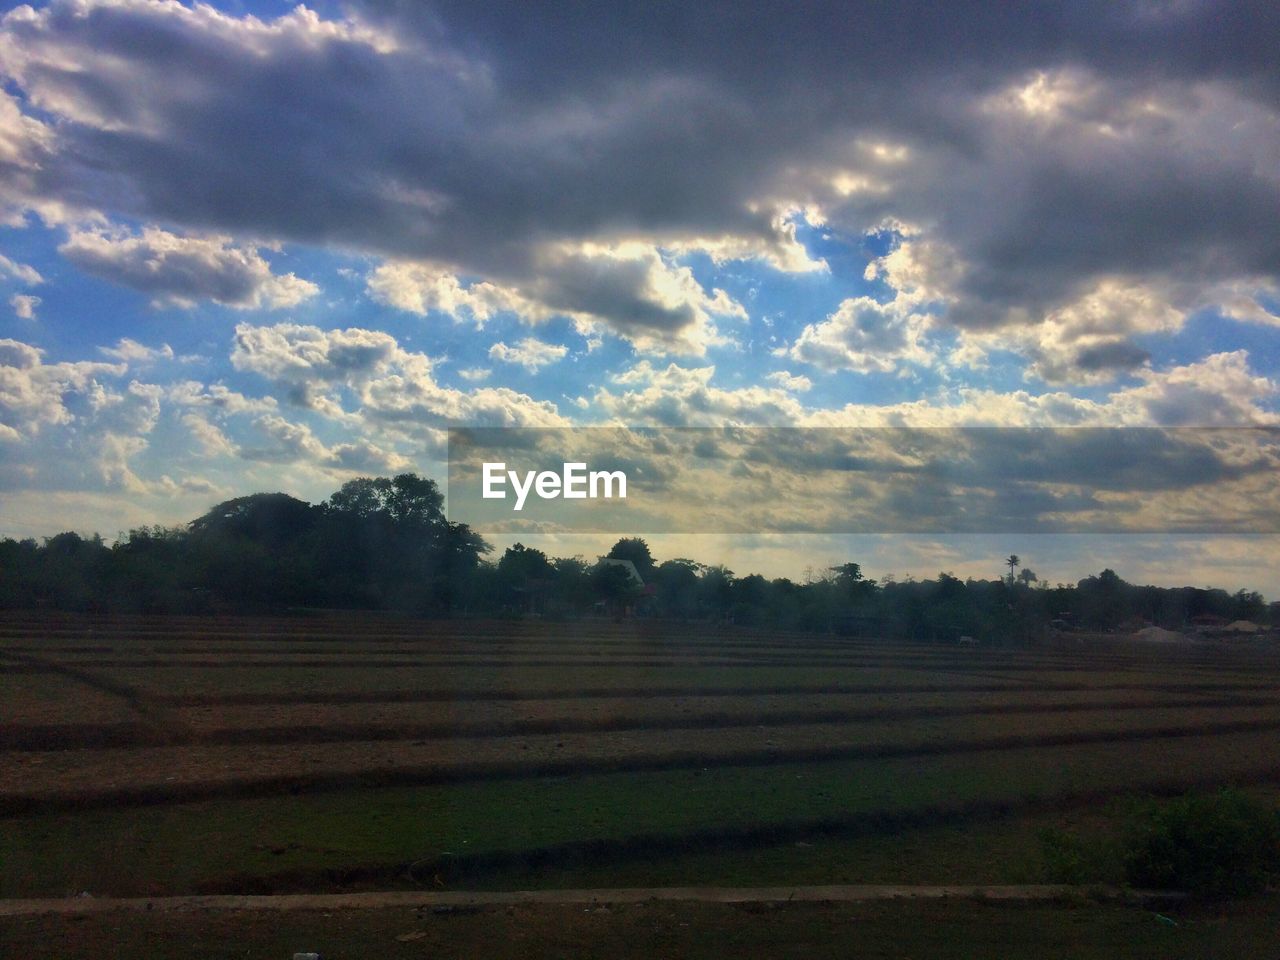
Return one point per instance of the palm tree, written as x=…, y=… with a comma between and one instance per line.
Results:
x=1012, y=563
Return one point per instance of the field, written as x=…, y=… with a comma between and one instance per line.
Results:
x=168, y=756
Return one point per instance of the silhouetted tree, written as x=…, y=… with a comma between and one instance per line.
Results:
x=613, y=585
x=384, y=543
x=268, y=518
x=1012, y=562
x=676, y=583
x=637, y=551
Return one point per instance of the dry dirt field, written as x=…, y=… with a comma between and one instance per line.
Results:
x=152, y=756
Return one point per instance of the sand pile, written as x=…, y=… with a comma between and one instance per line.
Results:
x=1242, y=626
x=1158, y=635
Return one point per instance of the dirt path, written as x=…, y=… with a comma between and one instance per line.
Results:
x=162, y=722
x=446, y=901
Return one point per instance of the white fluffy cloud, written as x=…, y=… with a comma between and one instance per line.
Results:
x=217, y=398
x=868, y=336
x=529, y=353
x=630, y=288
x=24, y=306
x=208, y=437
x=296, y=353
x=289, y=442
x=130, y=351
x=864, y=336
x=184, y=270
x=1220, y=390
x=25, y=144
x=781, y=250
x=1089, y=339
x=20, y=271
x=683, y=396
x=420, y=288
x=367, y=374
x=35, y=394
x=1094, y=338
x=69, y=426
x=790, y=381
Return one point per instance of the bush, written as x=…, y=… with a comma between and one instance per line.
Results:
x=1218, y=844
x=1066, y=857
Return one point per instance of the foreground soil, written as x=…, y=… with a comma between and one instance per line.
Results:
x=158, y=756
x=893, y=929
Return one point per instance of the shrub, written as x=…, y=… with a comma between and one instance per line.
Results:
x=1217, y=844
x=1066, y=857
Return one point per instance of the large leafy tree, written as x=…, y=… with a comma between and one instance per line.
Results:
x=637, y=551
x=270, y=518
x=520, y=564
x=404, y=499
x=388, y=540
x=255, y=551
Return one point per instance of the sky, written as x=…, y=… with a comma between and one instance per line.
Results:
x=258, y=246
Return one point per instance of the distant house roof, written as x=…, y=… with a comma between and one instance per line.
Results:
x=626, y=565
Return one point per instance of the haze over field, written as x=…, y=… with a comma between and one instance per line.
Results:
x=259, y=247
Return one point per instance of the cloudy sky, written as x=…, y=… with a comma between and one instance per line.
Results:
x=257, y=246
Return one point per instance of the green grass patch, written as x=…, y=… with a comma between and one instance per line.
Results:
x=181, y=847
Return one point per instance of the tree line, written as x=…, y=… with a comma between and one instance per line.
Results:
x=385, y=544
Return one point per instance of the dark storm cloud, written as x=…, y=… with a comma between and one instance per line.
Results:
x=548, y=46
x=1112, y=356
x=474, y=135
